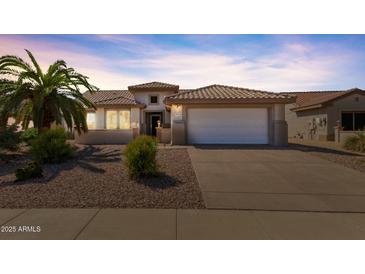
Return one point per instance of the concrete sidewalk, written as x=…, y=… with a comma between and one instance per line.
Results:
x=171, y=224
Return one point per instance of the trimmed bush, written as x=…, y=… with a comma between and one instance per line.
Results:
x=27, y=136
x=9, y=138
x=51, y=147
x=355, y=143
x=32, y=170
x=141, y=157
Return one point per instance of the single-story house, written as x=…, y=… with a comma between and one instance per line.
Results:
x=215, y=114
x=326, y=115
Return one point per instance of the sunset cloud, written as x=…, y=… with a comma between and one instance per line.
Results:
x=114, y=62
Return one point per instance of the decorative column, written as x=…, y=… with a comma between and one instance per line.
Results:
x=135, y=121
x=280, y=126
x=177, y=125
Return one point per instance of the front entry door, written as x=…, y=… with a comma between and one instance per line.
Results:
x=153, y=123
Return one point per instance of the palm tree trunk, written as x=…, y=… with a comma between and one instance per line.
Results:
x=47, y=120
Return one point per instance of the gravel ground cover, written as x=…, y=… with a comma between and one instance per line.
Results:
x=332, y=153
x=96, y=177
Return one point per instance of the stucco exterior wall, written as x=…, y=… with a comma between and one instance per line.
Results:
x=279, y=133
x=99, y=137
x=100, y=118
x=307, y=124
x=178, y=125
x=135, y=117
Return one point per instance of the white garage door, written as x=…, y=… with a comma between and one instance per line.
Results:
x=227, y=126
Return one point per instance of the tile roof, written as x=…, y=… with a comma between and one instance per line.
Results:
x=226, y=94
x=113, y=97
x=313, y=99
x=153, y=85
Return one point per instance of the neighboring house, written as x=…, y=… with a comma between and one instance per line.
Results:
x=12, y=121
x=326, y=115
x=214, y=114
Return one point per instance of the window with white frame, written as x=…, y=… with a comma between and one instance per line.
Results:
x=91, y=120
x=118, y=119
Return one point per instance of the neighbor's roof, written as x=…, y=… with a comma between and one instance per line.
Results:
x=154, y=85
x=113, y=97
x=227, y=94
x=316, y=99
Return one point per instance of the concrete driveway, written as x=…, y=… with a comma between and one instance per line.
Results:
x=276, y=179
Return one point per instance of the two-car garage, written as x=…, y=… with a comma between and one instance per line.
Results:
x=219, y=114
x=227, y=126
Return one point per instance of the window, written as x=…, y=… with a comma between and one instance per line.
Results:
x=111, y=119
x=359, y=120
x=124, y=119
x=347, y=121
x=353, y=121
x=118, y=119
x=153, y=99
x=90, y=119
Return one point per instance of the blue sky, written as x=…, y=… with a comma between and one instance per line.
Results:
x=268, y=62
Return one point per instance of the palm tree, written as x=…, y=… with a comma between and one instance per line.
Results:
x=29, y=94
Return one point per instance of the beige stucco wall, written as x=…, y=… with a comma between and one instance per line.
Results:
x=279, y=133
x=178, y=134
x=307, y=123
x=96, y=137
x=135, y=117
x=100, y=118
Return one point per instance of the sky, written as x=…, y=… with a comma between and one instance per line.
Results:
x=268, y=62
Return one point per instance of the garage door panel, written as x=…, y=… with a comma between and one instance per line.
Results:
x=227, y=126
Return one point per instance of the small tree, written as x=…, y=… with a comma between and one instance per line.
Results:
x=141, y=157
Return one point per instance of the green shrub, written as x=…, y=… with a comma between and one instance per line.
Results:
x=27, y=136
x=9, y=138
x=141, y=157
x=51, y=147
x=355, y=143
x=32, y=170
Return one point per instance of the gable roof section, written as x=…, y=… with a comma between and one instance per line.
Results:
x=154, y=86
x=227, y=94
x=317, y=99
x=113, y=97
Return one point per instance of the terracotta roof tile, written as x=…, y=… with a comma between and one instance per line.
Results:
x=112, y=97
x=318, y=98
x=221, y=93
x=153, y=85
